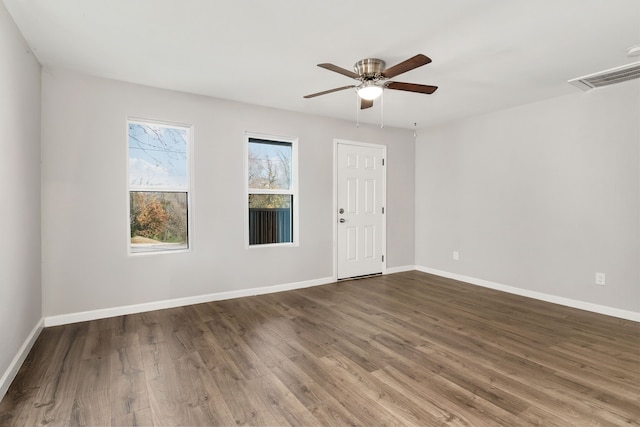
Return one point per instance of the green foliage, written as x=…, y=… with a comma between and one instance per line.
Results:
x=269, y=201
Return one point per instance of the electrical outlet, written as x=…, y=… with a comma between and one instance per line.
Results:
x=456, y=255
x=600, y=279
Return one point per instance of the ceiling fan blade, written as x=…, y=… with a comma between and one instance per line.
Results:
x=339, y=70
x=412, y=87
x=366, y=103
x=313, y=95
x=411, y=63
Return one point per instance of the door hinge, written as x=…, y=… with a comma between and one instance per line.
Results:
x=383, y=209
x=382, y=258
x=382, y=162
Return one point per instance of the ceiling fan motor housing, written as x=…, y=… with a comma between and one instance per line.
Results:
x=370, y=68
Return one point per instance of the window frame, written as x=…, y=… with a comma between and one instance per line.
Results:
x=188, y=189
x=293, y=190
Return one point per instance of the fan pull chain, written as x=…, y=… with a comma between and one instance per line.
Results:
x=357, y=110
x=382, y=110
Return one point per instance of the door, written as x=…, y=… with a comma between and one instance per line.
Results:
x=360, y=203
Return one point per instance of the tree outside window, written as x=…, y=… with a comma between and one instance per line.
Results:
x=158, y=187
x=271, y=191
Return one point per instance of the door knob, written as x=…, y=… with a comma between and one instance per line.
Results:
x=343, y=220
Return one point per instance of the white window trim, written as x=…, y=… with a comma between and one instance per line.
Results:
x=293, y=191
x=188, y=190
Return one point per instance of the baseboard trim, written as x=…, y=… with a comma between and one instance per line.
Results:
x=64, y=319
x=582, y=305
x=11, y=372
x=400, y=269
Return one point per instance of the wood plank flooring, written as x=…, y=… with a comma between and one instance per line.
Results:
x=403, y=349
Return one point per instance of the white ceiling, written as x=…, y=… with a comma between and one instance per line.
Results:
x=487, y=54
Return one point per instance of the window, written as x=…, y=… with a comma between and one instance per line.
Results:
x=272, y=194
x=159, y=186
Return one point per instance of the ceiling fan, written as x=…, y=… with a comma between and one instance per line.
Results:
x=374, y=78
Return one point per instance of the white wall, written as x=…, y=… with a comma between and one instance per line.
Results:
x=538, y=197
x=84, y=194
x=20, y=291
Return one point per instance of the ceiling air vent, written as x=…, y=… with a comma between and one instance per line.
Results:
x=608, y=77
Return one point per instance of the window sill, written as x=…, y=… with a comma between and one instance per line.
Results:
x=274, y=245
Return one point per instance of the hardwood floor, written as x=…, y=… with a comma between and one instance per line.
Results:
x=402, y=349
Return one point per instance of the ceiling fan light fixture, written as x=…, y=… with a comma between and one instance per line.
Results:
x=373, y=78
x=369, y=90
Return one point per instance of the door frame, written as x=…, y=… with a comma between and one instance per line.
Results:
x=336, y=142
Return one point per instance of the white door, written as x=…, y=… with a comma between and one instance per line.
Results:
x=360, y=203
